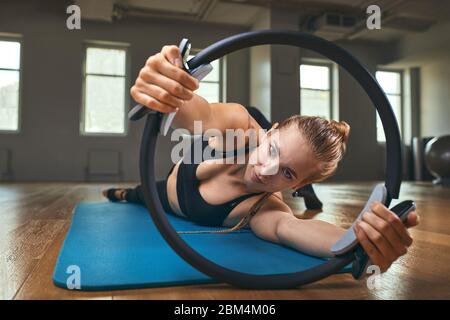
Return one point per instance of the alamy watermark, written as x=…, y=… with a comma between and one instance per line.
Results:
x=374, y=280
x=374, y=19
x=73, y=22
x=73, y=281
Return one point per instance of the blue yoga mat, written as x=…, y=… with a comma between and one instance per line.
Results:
x=116, y=246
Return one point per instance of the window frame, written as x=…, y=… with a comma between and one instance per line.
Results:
x=222, y=75
x=330, y=66
x=400, y=122
x=16, y=38
x=127, y=100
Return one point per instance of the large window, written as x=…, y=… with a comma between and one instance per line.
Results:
x=104, y=94
x=211, y=87
x=391, y=82
x=9, y=85
x=315, y=90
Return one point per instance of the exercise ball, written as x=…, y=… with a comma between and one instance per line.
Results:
x=437, y=159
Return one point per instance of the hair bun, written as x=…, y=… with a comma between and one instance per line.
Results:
x=342, y=128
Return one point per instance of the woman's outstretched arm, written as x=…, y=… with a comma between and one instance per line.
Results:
x=275, y=222
x=383, y=236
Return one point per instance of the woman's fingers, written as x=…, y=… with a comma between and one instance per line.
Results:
x=386, y=230
x=173, y=55
x=394, y=221
x=383, y=235
x=158, y=93
x=380, y=242
x=167, y=67
x=150, y=102
x=412, y=220
x=162, y=84
x=160, y=72
x=372, y=251
x=179, y=75
x=169, y=85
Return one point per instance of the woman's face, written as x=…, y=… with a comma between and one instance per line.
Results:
x=282, y=160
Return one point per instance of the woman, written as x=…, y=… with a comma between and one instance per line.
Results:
x=306, y=150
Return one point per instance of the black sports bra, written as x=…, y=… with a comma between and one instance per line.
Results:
x=192, y=203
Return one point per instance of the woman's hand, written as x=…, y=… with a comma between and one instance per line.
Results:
x=383, y=235
x=162, y=84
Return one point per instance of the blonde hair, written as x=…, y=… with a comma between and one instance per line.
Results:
x=328, y=141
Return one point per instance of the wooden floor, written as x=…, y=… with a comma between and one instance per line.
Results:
x=34, y=219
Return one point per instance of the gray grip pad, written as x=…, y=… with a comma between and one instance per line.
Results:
x=349, y=240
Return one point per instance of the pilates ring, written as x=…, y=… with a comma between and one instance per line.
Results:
x=229, y=45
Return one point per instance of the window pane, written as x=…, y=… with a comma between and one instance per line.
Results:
x=380, y=131
x=214, y=74
x=315, y=103
x=209, y=91
x=395, y=101
x=314, y=77
x=104, y=105
x=105, y=61
x=9, y=100
x=9, y=55
x=210, y=85
x=389, y=81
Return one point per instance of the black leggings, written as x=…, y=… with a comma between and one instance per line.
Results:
x=136, y=195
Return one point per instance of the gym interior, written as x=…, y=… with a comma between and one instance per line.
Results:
x=65, y=134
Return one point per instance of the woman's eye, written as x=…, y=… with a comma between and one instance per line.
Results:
x=287, y=174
